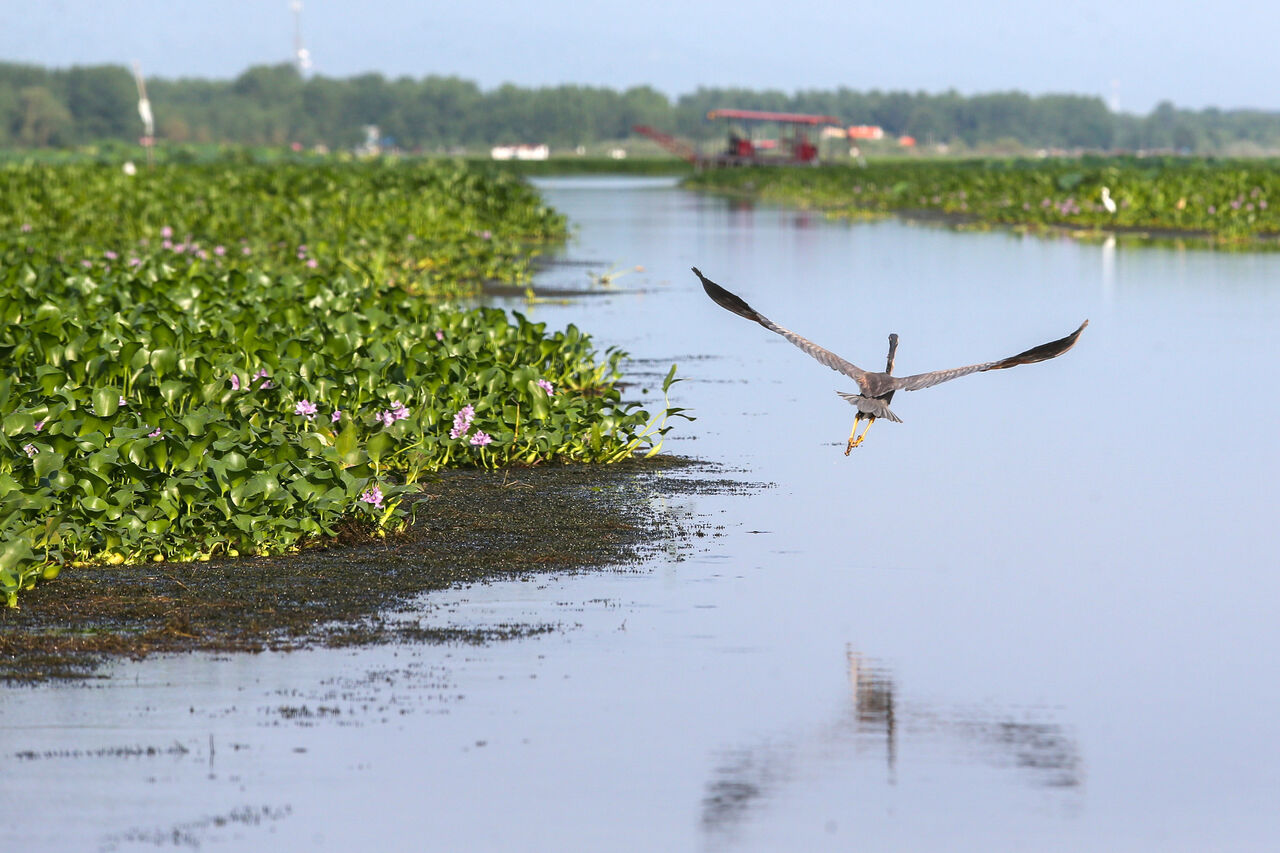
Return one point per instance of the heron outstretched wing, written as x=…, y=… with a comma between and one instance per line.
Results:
x=1044, y=352
x=729, y=302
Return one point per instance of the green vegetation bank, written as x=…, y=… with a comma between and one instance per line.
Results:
x=241, y=359
x=1233, y=204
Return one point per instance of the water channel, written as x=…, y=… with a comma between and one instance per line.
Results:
x=1040, y=614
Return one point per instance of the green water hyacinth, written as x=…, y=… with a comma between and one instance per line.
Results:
x=187, y=407
x=1229, y=204
x=193, y=466
x=413, y=222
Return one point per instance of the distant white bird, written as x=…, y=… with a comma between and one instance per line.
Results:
x=1107, y=201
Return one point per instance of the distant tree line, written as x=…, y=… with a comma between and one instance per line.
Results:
x=274, y=105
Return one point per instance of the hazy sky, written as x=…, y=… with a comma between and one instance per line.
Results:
x=1195, y=54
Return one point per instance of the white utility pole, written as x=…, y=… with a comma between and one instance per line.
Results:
x=144, y=112
x=301, y=55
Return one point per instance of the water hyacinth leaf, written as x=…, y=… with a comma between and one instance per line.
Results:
x=378, y=445
x=348, y=446
x=163, y=360
x=14, y=551
x=538, y=400
x=234, y=460
x=106, y=401
x=171, y=391
x=88, y=442
x=136, y=452
x=95, y=504
x=18, y=422
x=158, y=453
x=47, y=462
x=87, y=425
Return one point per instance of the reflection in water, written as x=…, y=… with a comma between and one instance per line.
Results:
x=1109, y=267
x=1043, y=752
x=1042, y=749
x=742, y=777
x=873, y=691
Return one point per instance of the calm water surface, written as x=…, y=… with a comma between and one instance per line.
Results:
x=1038, y=615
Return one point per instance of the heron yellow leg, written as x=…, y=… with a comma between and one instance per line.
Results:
x=854, y=442
x=849, y=446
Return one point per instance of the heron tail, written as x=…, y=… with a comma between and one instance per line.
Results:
x=871, y=406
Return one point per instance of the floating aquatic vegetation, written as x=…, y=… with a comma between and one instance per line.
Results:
x=204, y=402
x=1227, y=203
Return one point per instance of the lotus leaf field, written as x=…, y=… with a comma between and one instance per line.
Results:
x=1232, y=204
x=241, y=359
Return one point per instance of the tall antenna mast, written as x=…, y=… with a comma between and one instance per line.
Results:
x=144, y=112
x=301, y=56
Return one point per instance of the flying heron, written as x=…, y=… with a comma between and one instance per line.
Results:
x=878, y=388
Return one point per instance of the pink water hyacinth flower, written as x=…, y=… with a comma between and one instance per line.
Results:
x=86, y=263
x=159, y=432
x=546, y=386
x=306, y=408
x=311, y=263
x=398, y=411
x=219, y=250
x=246, y=251
x=386, y=418
x=135, y=262
x=30, y=449
x=166, y=232
x=373, y=496
x=480, y=439
x=26, y=227
x=439, y=335
x=39, y=425
x=336, y=416
x=110, y=255
x=123, y=402
x=235, y=382
x=462, y=422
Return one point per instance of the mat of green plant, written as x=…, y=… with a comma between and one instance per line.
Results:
x=238, y=359
x=439, y=226
x=1232, y=203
